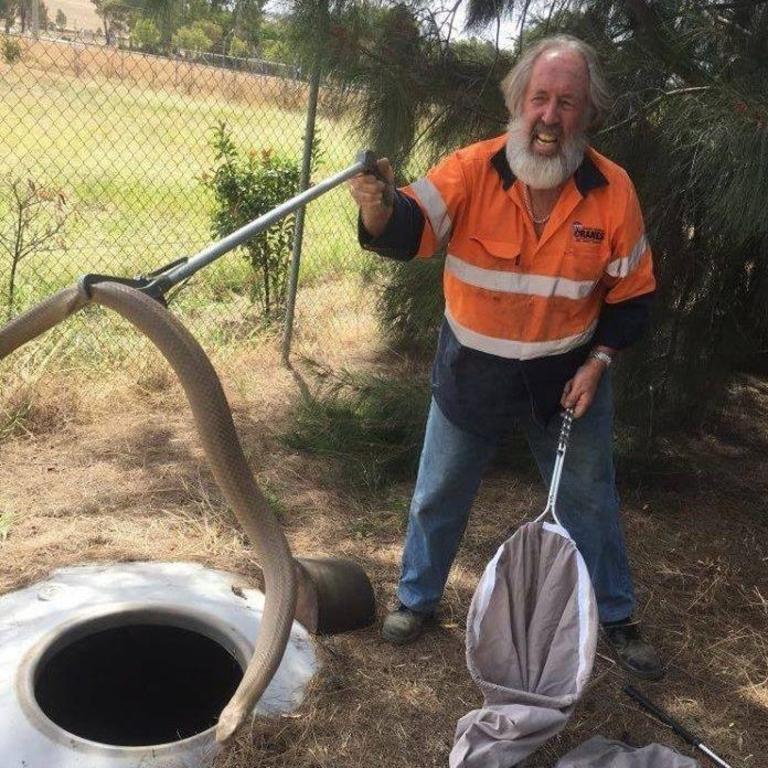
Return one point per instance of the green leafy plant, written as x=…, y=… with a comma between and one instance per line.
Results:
x=145, y=35
x=191, y=38
x=11, y=50
x=247, y=185
x=239, y=48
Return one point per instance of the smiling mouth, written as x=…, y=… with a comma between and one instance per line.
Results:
x=545, y=137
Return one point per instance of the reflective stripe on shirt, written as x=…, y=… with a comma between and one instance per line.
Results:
x=511, y=348
x=624, y=266
x=435, y=208
x=517, y=282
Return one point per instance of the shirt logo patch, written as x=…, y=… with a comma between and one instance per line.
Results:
x=587, y=234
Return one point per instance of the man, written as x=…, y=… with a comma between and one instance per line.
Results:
x=548, y=274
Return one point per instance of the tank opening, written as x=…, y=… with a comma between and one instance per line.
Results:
x=137, y=685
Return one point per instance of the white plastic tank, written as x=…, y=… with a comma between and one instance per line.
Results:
x=125, y=665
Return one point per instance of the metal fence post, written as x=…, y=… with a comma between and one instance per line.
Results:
x=35, y=8
x=306, y=165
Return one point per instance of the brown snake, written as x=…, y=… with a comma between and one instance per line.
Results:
x=216, y=429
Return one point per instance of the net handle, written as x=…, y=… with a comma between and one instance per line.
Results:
x=557, y=471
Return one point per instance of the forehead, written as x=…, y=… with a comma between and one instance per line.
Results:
x=561, y=71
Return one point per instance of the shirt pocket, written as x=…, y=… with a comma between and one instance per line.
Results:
x=587, y=261
x=507, y=251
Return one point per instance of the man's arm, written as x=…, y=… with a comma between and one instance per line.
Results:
x=390, y=223
x=625, y=313
x=402, y=235
x=579, y=392
x=373, y=195
x=622, y=324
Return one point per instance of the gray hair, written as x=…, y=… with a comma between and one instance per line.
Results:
x=514, y=84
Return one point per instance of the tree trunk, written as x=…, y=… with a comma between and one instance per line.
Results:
x=265, y=271
x=12, y=287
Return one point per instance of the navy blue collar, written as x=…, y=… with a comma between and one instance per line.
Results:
x=587, y=176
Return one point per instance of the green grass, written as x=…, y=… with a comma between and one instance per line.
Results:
x=129, y=158
x=371, y=425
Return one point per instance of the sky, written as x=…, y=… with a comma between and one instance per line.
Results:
x=508, y=28
x=506, y=33
x=81, y=14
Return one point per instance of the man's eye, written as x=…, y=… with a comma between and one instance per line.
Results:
x=538, y=99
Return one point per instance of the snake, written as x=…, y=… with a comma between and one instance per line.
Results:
x=216, y=429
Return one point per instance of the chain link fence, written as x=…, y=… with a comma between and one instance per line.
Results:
x=103, y=165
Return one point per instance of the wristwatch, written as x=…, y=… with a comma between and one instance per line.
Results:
x=603, y=357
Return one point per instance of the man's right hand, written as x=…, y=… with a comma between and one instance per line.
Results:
x=374, y=197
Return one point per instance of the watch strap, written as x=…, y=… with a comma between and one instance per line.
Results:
x=603, y=357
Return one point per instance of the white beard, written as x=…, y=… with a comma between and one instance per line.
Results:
x=537, y=171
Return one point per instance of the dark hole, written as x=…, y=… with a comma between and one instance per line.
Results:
x=137, y=685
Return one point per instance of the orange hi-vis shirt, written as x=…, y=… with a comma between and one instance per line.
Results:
x=509, y=293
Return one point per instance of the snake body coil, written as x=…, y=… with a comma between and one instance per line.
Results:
x=214, y=423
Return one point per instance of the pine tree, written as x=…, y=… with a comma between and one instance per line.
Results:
x=690, y=124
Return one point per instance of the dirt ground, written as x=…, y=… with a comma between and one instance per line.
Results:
x=115, y=472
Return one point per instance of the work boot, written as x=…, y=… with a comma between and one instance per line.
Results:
x=634, y=654
x=404, y=625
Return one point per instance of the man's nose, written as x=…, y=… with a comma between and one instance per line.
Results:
x=551, y=115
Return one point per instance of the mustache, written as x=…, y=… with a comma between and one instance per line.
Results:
x=541, y=127
x=538, y=171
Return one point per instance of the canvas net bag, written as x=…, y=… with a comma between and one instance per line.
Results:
x=531, y=638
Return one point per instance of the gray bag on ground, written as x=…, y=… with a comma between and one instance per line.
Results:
x=603, y=753
x=531, y=638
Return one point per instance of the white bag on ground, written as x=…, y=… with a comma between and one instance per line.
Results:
x=600, y=752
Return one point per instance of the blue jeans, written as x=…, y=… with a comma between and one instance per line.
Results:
x=450, y=469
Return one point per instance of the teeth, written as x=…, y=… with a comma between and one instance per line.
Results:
x=546, y=138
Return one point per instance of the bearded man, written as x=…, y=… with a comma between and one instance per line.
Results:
x=548, y=274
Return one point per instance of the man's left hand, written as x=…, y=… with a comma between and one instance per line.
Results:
x=579, y=392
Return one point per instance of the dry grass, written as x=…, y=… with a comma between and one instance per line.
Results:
x=81, y=14
x=100, y=62
x=117, y=474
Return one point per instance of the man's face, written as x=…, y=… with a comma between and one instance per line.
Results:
x=555, y=104
x=547, y=139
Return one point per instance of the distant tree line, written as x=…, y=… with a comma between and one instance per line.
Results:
x=157, y=26
x=229, y=27
x=22, y=10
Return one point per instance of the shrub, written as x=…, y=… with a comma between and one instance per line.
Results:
x=145, y=35
x=246, y=186
x=410, y=303
x=32, y=225
x=191, y=38
x=239, y=48
x=11, y=50
x=212, y=31
x=373, y=425
x=277, y=50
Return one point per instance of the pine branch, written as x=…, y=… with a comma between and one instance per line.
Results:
x=452, y=20
x=717, y=19
x=651, y=32
x=736, y=5
x=651, y=104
